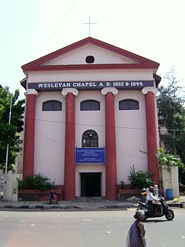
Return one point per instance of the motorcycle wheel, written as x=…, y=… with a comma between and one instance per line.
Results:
x=169, y=214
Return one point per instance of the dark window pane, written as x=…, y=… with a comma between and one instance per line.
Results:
x=52, y=105
x=128, y=104
x=90, y=139
x=90, y=105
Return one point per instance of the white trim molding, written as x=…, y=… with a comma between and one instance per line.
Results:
x=65, y=91
x=112, y=90
x=146, y=90
x=32, y=91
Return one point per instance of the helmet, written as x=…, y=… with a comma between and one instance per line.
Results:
x=143, y=190
x=151, y=189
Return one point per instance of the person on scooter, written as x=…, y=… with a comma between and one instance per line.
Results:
x=153, y=200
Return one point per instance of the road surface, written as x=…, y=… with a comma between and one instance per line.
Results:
x=85, y=229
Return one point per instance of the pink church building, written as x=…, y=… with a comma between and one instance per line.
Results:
x=90, y=115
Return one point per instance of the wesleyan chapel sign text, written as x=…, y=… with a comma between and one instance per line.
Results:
x=90, y=85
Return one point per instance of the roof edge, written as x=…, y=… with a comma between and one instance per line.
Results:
x=99, y=43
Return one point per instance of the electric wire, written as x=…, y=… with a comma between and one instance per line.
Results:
x=117, y=151
x=102, y=126
x=89, y=125
x=84, y=124
x=58, y=25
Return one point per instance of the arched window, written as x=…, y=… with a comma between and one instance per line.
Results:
x=128, y=104
x=90, y=105
x=90, y=139
x=52, y=105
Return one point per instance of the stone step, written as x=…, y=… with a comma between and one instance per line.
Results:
x=90, y=199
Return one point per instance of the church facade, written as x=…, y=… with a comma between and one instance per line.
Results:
x=90, y=116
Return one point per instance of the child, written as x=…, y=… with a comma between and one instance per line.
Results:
x=54, y=197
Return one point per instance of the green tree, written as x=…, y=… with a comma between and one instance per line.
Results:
x=10, y=133
x=171, y=115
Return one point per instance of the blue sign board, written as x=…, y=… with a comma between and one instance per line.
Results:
x=90, y=155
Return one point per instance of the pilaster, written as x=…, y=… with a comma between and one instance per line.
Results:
x=69, y=170
x=29, y=133
x=151, y=132
x=110, y=136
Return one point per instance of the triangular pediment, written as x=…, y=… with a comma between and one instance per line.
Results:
x=75, y=56
x=80, y=55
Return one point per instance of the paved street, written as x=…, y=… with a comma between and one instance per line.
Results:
x=84, y=229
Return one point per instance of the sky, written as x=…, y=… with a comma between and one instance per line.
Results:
x=30, y=29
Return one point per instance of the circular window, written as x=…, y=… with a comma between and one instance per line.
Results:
x=89, y=59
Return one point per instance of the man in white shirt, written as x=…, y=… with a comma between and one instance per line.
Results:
x=150, y=197
x=153, y=200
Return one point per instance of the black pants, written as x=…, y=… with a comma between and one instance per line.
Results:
x=154, y=208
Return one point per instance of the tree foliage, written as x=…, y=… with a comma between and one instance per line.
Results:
x=10, y=133
x=167, y=159
x=171, y=115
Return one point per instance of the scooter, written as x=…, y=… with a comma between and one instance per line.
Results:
x=158, y=210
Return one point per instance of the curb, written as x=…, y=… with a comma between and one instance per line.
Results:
x=81, y=207
x=177, y=205
x=67, y=207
